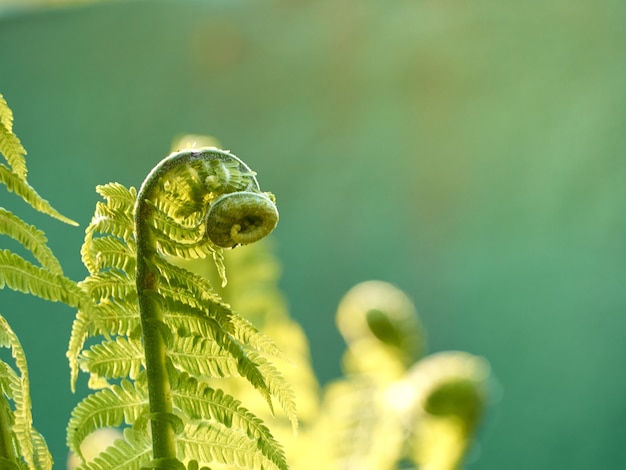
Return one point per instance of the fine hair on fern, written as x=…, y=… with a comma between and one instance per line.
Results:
x=160, y=335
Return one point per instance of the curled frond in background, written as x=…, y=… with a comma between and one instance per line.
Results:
x=450, y=392
x=394, y=406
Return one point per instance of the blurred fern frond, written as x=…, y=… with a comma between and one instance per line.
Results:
x=394, y=407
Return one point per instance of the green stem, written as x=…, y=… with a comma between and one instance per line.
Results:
x=159, y=389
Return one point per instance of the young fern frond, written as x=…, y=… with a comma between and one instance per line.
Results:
x=190, y=206
x=395, y=407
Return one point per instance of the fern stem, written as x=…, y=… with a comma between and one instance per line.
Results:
x=159, y=389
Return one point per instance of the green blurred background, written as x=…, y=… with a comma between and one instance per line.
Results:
x=472, y=153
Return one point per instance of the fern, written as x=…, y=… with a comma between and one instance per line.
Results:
x=31, y=238
x=394, y=406
x=21, y=446
x=163, y=335
x=25, y=437
x=10, y=145
x=166, y=352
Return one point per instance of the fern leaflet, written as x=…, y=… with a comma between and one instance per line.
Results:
x=31, y=238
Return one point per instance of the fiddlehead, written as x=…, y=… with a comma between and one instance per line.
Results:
x=167, y=334
x=240, y=218
x=237, y=213
x=395, y=405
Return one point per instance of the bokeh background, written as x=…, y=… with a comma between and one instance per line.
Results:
x=472, y=153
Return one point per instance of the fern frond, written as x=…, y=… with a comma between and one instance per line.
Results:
x=13, y=151
x=8, y=378
x=200, y=402
x=198, y=250
x=173, y=230
x=23, y=425
x=179, y=316
x=189, y=283
x=106, y=408
x=182, y=195
x=111, y=252
x=31, y=445
x=359, y=432
x=248, y=334
x=278, y=387
x=130, y=453
x=41, y=454
x=29, y=195
x=111, y=220
x=202, y=358
x=181, y=313
x=118, y=318
x=194, y=291
x=118, y=196
x=183, y=211
x=111, y=319
x=215, y=443
x=31, y=238
x=86, y=254
x=218, y=259
x=6, y=115
x=111, y=359
x=21, y=275
x=191, y=330
x=80, y=330
x=20, y=392
x=109, y=284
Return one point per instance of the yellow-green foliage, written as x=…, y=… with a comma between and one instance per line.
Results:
x=394, y=407
x=206, y=342
x=203, y=338
x=21, y=446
